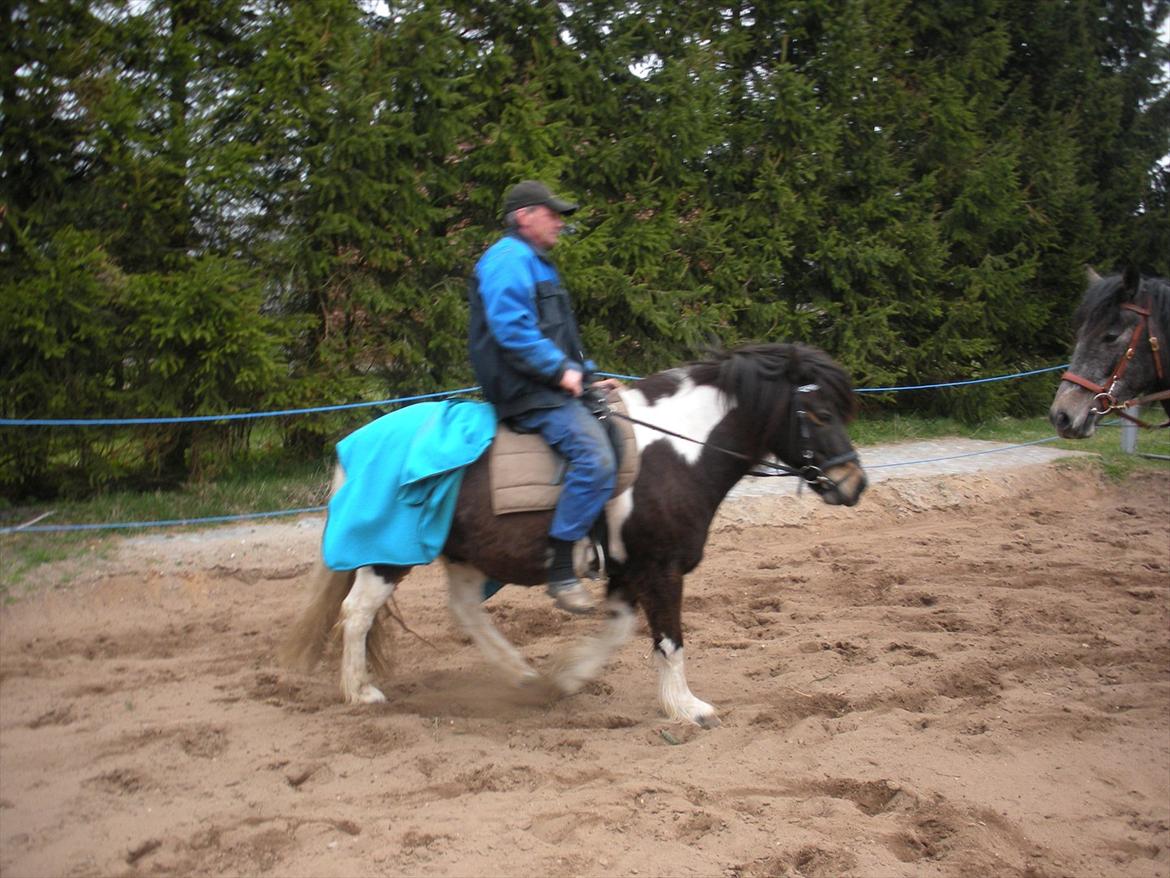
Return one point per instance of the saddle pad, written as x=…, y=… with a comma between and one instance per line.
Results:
x=526, y=474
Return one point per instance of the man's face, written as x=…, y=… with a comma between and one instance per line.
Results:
x=540, y=225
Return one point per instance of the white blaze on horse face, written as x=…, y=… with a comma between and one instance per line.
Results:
x=674, y=694
x=692, y=411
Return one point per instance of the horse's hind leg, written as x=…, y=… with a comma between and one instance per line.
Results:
x=369, y=593
x=465, y=597
x=585, y=659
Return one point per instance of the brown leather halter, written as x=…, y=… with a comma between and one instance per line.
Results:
x=1105, y=402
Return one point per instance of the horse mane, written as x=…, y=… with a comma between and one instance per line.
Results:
x=1106, y=295
x=760, y=378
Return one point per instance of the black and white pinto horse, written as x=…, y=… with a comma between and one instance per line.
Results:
x=1122, y=356
x=699, y=429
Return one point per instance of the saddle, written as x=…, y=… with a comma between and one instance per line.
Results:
x=526, y=474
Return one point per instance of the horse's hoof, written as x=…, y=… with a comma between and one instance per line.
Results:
x=370, y=695
x=708, y=721
x=526, y=679
x=569, y=684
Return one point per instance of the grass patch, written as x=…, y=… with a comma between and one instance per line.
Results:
x=24, y=554
x=250, y=487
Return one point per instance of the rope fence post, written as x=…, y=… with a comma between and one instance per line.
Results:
x=1129, y=431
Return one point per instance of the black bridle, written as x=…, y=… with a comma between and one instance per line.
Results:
x=809, y=472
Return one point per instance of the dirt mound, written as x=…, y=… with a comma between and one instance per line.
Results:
x=960, y=677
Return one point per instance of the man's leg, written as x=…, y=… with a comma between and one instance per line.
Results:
x=589, y=480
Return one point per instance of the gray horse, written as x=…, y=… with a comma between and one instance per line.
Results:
x=1122, y=355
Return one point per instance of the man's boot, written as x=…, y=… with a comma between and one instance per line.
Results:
x=563, y=584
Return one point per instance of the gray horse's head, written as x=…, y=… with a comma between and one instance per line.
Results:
x=1110, y=324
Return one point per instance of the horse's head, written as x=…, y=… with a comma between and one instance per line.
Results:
x=798, y=401
x=1119, y=344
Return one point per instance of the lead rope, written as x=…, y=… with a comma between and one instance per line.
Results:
x=396, y=614
x=785, y=470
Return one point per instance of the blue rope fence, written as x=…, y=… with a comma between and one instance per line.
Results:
x=964, y=454
x=309, y=510
x=910, y=386
x=239, y=416
x=173, y=522
x=962, y=383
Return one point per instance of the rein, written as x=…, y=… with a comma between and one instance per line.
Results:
x=1105, y=402
x=809, y=472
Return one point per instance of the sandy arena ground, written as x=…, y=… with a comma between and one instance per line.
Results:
x=965, y=676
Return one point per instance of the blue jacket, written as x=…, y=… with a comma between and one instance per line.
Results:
x=402, y=478
x=523, y=334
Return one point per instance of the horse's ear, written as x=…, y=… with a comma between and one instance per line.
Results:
x=794, y=368
x=1092, y=274
x=1133, y=279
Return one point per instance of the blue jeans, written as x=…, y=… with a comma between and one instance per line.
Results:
x=580, y=438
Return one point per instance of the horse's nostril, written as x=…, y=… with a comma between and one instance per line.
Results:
x=1060, y=420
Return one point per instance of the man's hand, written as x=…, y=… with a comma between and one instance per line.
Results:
x=571, y=382
x=608, y=385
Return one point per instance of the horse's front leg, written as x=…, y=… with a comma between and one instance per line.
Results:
x=369, y=593
x=662, y=599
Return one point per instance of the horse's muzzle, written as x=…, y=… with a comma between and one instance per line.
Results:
x=1067, y=428
x=1072, y=414
x=845, y=485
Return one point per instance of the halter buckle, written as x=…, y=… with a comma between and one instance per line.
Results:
x=1103, y=404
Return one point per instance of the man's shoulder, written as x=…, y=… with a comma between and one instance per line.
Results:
x=509, y=247
x=509, y=258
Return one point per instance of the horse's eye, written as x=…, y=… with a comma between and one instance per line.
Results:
x=1111, y=337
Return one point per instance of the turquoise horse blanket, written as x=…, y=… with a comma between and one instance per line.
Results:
x=402, y=477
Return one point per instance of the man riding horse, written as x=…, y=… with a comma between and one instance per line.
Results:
x=528, y=356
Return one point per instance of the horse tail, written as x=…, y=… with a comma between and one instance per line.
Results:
x=306, y=643
x=311, y=633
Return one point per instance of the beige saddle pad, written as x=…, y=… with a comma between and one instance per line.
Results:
x=526, y=474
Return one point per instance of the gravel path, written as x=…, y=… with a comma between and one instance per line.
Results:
x=919, y=460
